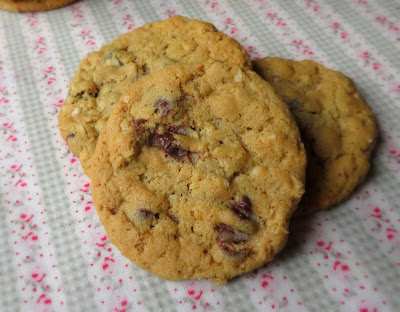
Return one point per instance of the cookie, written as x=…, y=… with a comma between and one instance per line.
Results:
x=32, y=5
x=198, y=171
x=104, y=75
x=337, y=127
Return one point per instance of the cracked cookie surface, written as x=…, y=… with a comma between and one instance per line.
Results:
x=104, y=75
x=197, y=172
x=337, y=127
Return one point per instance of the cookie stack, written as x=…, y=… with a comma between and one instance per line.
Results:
x=196, y=162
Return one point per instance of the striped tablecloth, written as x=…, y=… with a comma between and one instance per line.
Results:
x=54, y=254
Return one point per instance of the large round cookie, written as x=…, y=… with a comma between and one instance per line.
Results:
x=337, y=127
x=32, y=5
x=198, y=171
x=105, y=74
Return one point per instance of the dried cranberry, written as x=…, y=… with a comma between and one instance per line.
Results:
x=229, y=234
x=179, y=154
x=145, y=214
x=237, y=254
x=242, y=208
x=177, y=129
x=136, y=124
x=166, y=142
x=163, y=141
x=70, y=136
x=165, y=106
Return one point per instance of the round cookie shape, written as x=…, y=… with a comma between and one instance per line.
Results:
x=104, y=75
x=32, y=5
x=198, y=171
x=337, y=127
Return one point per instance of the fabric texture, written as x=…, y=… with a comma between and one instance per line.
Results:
x=54, y=253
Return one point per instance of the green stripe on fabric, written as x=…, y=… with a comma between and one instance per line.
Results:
x=104, y=20
x=69, y=55
x=381, y=269
x=74, y=276
x=393, y=6
x=146, y=12
x=370, y=34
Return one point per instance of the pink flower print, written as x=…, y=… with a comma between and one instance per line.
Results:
x=171, y=12
x=20, y=183
x=103, y=241
x=43, y=298
x=8, y=125
x=194, y=295
x=38, y=278
x=4, y=100
x=12, y=138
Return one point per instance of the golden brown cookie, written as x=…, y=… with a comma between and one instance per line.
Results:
x=337, y=127
x=197, y=172
x=105, y=74
x=32, y=5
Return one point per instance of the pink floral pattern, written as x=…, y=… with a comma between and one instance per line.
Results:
x=333, y=259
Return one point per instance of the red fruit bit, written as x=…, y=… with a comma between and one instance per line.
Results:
x=177, y=129
x=242, y=208
x=179, y=154
x=165, y=106
x=70, y=136
x=136, y=124
x=237, y=254
x=345, y=268
x=229, y=234
x=165, y=142
x=145, y=214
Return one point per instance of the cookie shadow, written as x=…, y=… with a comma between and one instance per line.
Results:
x=300, y=230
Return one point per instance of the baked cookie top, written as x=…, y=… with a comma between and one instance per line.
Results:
x=198, y=171
x=337, y=127
x=32, y=5
x=105, y=74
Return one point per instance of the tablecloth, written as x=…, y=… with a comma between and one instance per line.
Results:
x=54, y=253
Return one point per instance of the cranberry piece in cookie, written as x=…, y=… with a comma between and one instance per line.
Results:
x=242, y=208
